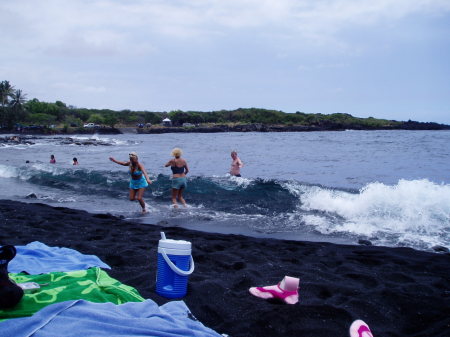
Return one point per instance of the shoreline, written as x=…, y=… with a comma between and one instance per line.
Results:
x=397, y=291
x=221, y=128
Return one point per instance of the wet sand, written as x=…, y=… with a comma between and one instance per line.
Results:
x=397, y=291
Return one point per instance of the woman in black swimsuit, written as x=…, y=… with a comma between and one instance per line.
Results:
x=179, y=169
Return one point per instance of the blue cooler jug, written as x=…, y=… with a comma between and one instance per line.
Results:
x=175, y=264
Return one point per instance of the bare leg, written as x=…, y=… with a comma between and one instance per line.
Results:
x=132, y=194
x=174, y=197
x=140, y=195
x=180, y=197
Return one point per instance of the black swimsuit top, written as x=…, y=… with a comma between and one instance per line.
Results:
x=177, y=170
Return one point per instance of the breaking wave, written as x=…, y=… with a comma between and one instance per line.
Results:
x=414, y=213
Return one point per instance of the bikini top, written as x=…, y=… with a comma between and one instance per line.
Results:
x=177, y=170
x=136, y=172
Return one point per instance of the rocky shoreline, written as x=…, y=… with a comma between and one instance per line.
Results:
x=254, y=127
x=56, y=131
x=30, y=140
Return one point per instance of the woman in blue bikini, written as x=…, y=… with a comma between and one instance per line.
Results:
x=179, y=169
x=139, y=178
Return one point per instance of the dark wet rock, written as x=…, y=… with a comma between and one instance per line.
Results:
x=440, y=249
x=365, y=242
x=42, y=130
x=86, y=142
x=31, y=196
x=319, y=126
x=15, y=140
x=256, y=127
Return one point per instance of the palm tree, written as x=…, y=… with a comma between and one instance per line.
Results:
x=6, y=90
x=18, y=99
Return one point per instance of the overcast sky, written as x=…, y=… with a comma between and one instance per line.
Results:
x=381, y=58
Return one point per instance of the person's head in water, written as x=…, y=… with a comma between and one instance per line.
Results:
x=233, y=154
x=75, y=161
x=176, y=152
x=133, y=158
x=52, y=159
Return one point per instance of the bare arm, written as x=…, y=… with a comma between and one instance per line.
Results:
x=123, y=163
x=186, y=167
x=169, y=163
x=142, y=168
x=240, y=163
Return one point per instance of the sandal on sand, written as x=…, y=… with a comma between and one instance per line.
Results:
x=360, y=329
x=286, y=290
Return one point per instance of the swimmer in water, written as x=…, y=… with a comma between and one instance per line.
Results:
x=236, y=165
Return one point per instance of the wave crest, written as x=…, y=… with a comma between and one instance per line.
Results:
x=413, y=213
x=411, y=210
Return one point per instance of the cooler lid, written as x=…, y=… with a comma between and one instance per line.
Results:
x=174, y=244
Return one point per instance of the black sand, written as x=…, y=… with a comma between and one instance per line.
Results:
x=397, y=291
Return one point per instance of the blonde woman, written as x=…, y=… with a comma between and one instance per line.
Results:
x=139, y=178
x=179, y=169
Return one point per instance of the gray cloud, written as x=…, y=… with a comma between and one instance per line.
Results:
x=207, y=54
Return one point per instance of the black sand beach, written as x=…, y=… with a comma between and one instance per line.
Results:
x=397, y=291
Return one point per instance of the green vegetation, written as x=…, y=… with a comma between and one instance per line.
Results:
x=15, y=109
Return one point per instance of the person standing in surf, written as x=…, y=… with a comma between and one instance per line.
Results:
x=179, y=169
x=139, y=178
x=236, y=165
x=52, y=159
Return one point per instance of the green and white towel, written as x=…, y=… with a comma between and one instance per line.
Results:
x=93, y=285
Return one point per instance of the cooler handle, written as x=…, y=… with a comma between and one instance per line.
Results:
x=175, y=268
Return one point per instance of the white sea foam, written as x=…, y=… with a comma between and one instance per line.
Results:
x=48, y=168
x=416, y=211
x=230, y=182
x=8, y=171
x=93, y=137
x=295, y=188
x=240, y=181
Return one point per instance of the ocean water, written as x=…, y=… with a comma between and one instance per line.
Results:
x=389, y=187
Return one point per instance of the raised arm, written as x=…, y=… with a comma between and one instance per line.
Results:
x=123, y=163
x=169, y=163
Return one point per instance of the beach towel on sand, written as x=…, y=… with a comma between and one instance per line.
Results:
x=82, y=318
x=38, y=258
x=93, y=284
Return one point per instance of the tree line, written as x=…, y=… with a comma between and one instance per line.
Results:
x=16, y=109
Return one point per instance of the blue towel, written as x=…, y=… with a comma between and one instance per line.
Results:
x=38, y=258
x=83, y=318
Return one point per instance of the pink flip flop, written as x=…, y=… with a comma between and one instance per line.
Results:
x=286, y=290
x=360, y=329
